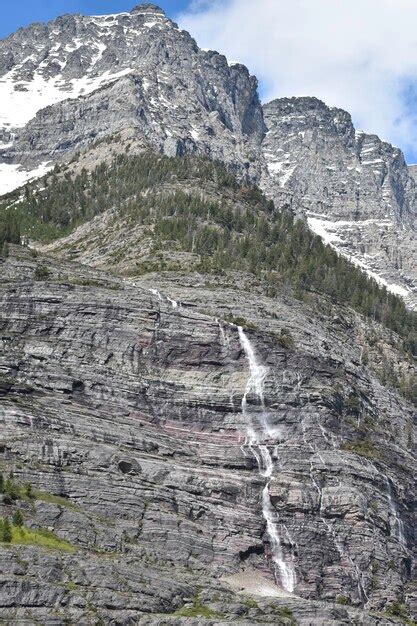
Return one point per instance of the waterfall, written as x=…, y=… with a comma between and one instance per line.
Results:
x=397, y=529
x=398, y=523
x=330, y=529
x=156, y=293
x=173, y=303
x=224, y=340
x=286, y=570
x=255, y=384
x=256, y=433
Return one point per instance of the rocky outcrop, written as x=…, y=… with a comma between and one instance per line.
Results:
x=354, y=189
x=128, y=405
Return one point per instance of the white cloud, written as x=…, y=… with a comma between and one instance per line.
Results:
x=359, y=55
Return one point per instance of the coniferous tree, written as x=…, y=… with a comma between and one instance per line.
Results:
x=17, y=518
x=6, y=531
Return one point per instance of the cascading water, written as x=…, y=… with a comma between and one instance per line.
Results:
x=398, y=523
x=156, y=293
x=343, y=553
x=286, y=570
x=257, y=430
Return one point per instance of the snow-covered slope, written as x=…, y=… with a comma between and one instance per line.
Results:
x=12, y=175
x=20, y=105
x=71, y=56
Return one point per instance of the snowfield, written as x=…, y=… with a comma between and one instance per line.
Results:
x=12, y=177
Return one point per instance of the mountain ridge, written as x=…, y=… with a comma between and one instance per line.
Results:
x=355, y=190
x=205, y=107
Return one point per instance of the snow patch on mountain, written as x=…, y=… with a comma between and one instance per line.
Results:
x=21, y=101
x=334, y=233
x=13, y=176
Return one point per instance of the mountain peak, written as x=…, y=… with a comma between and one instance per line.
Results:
x=147, y=8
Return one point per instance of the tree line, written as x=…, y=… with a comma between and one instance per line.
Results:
x=240, y=230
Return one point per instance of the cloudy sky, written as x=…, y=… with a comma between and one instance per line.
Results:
x=360, y=55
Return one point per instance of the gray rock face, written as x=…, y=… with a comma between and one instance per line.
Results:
x=131, y=413
x=142, y=72
x=412, y=170
x=131, y=407
x=354, y=189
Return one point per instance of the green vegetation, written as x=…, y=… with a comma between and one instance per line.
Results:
x=284, y=612
x=241, y=231
x=398, y=609
x=240, y=321
x=12, y=491
x=342, y=600
x=17, y=518
x=251, y=604
x=9, y=230
x=5, y=530
x=405, y=383
x=20, y=535
x=42, y=272
x=90, y=282
x=9, y=489
x=66, y=202
x=285, y=339
x=71, y=586
x=197, y=610
x=364, y=448
x=44, y=496
x=15, y=532
x=353, y=404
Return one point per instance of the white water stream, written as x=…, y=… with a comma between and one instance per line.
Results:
x=398, y=526
x=173, y=303
x=397, y=529
x=258, y=429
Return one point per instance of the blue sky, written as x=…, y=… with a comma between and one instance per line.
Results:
x=16, y=13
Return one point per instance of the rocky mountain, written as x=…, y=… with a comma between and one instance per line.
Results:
x=207, y=414
x=78, y=79
x=74, y=81
x=355, y=190
x=413, y=170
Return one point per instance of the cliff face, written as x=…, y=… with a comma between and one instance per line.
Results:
x=188, y=450
x=78, y=79
x=355, y=190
